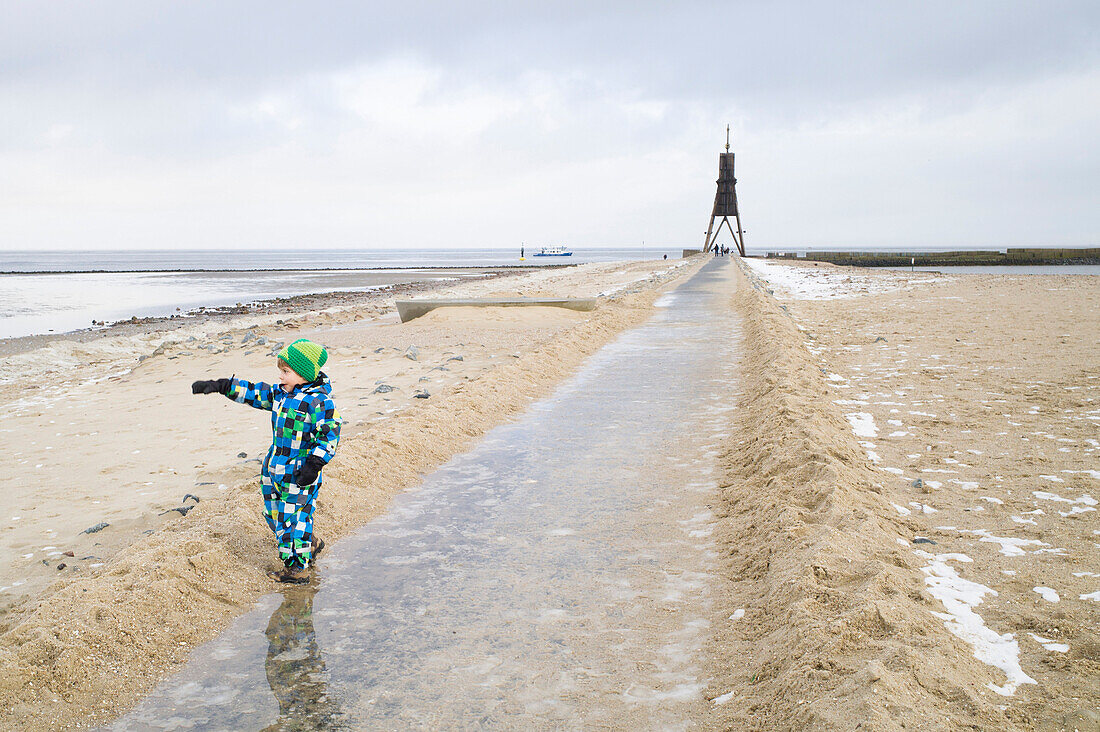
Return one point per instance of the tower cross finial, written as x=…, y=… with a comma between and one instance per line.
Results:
x=727, y=138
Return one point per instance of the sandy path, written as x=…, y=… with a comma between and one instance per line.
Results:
x=955, y=417
x=138, y=441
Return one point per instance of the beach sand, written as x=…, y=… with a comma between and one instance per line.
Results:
x=845, y=602
x=909, y=514
x=109, y=433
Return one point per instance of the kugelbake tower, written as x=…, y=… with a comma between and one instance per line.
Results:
x=725, y=202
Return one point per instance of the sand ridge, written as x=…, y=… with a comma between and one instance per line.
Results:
x=925, y=553
x=86, y=647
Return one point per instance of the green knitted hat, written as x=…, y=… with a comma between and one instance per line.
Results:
x=305, y=357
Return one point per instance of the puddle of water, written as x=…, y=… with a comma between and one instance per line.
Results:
x=556, y=575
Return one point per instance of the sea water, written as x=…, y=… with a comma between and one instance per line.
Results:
x=57, y=292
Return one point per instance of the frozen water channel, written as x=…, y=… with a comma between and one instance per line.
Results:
x=557, y=575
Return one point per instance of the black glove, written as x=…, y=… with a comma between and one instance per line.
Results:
x=220, y=386
x=309, y=470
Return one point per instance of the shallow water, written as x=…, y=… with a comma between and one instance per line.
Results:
x=36, y=304
x=557, y=575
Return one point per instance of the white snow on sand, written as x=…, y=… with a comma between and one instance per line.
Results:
x=1047, y=594
x=1084, y=504
x=863, y=424
x=959, y=597
x=1010, y=545
x=1050, y=645
x=824, y=283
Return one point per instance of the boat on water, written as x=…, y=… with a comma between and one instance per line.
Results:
x=553, y=252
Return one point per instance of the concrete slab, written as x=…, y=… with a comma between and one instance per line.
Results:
x=409, y=309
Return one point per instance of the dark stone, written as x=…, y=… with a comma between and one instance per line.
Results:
x=182, y=510
x=880, y=338
x=422, y=394
x=189, y=495
x=412, y=353
x=918, y=483
x=383, y=389
x=69, y=553
x=62, y=565
x=242, y=454
x=922, y=540
x=98, y=527
x=455, y=358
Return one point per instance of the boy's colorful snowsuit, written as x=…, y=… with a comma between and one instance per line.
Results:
x=303, y=423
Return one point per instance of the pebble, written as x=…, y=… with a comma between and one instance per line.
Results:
x=412, y=353
x=98, y=527
x=422, y=394
x=383, y=389
x=242, y=454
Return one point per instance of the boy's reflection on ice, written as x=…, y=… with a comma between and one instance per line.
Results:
x=295, y=668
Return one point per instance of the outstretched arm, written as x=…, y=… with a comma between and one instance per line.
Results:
x=256, y=394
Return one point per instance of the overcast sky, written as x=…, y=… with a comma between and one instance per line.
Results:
x=415, y=124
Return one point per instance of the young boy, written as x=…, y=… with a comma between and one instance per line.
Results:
x=305, y=429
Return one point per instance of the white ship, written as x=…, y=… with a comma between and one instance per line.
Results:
x=553, y=252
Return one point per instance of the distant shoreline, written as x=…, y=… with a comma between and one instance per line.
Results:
x=186, y=270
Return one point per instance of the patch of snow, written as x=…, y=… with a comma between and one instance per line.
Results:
x=1047, y=594
x=1010, y=545
x=901, y=509
x=863, y=424
x=959, y=597
x=738, y=614
x=1084, y=500
x=1050, y=645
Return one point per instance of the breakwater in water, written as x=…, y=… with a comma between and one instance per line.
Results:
x=972, y=258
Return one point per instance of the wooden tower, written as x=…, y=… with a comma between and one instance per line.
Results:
x=725, y=202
